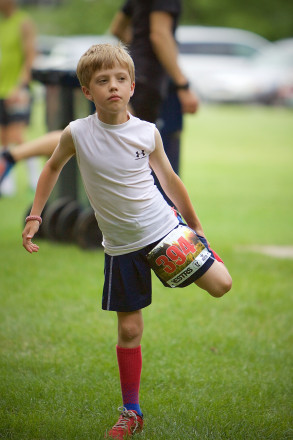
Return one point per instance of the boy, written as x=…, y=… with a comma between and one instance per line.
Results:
x=115, y=153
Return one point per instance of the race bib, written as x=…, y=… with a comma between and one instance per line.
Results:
x=178, y=256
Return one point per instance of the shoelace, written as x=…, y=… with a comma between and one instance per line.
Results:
x=122, y=423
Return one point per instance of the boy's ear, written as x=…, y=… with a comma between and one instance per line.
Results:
x=132, y=87
x=87, y=93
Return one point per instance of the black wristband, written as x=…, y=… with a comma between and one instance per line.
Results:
x=182, y=86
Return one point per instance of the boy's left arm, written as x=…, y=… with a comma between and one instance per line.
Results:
x=173, y=185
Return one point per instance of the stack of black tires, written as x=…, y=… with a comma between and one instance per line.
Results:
x=66, y=220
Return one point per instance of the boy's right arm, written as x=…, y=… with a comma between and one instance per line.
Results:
x=48, y=178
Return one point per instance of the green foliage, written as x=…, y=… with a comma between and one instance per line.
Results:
x=75, y=17
x=272, y=20
x=214, y=369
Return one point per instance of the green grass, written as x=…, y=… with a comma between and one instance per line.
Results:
x=213, y=369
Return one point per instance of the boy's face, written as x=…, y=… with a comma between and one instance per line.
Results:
x=110, y=90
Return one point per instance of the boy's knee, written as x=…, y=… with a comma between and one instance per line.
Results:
x=222, y=287
x=216, y=281
x=130, y=331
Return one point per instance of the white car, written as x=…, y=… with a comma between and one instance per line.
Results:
x=205, y=50
x=266, y=78
x=63, y=53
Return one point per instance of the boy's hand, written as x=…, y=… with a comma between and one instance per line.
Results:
x=31, y=228
x=197, y=228
x=199, y=232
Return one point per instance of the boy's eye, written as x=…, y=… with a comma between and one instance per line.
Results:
x=101, y=80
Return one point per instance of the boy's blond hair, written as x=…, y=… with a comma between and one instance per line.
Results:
x=103, y=56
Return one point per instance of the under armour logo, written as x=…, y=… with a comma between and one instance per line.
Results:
x=140, y=155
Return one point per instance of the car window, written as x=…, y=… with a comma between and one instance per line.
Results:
x=242, y=50
x=277, y=54
x=224, y=49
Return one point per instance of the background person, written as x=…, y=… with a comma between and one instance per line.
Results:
x=17, y=49
x=150, y=27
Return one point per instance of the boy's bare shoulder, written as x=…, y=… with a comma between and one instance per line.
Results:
x=66, y=134
x=66, y=139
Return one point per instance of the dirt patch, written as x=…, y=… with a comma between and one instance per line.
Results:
x=272, y=250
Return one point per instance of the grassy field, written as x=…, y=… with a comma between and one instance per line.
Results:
x=213, y=369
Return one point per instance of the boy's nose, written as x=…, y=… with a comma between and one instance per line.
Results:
x=113, y=84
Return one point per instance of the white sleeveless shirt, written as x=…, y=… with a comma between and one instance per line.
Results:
x=114, y=165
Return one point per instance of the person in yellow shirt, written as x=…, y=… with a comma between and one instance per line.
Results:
x=17, y=53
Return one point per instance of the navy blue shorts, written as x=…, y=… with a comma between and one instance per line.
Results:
x=128, y=280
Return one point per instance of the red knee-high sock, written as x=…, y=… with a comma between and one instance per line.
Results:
x=130, y=365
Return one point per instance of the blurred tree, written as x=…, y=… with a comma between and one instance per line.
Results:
x=271, y=19
x=72, y=17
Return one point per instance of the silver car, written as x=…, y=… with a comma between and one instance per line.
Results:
x=267, y=78
x=205, y=50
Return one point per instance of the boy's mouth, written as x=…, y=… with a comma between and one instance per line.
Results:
x=114, y=98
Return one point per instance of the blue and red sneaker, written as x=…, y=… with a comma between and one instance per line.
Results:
x=129, y=423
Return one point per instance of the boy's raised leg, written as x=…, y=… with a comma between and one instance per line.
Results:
x=216, y=281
